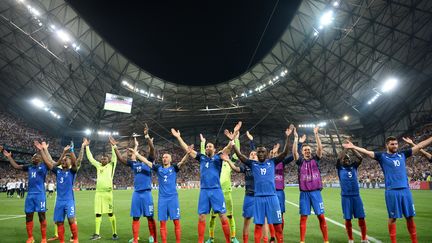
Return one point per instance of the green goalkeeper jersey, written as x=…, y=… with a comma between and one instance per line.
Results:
x=105, y=174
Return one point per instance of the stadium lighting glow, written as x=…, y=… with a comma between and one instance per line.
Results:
x=63, y=35
x=322, y=124
x=315, y=33
x=40, y=24
x=107, y=133
x=53, y=27
x=88, y=132
x=326, y=18
x=33, y=11
x=38, y=103
x=374, y=98
x=389, y=85
x=335, y=4
x=345, y=118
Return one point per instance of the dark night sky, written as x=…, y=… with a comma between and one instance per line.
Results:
x=189, y=42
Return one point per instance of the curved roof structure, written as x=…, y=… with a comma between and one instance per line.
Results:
x=315, y=72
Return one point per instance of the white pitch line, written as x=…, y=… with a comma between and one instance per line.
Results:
x=370, y=238
x=14, y=217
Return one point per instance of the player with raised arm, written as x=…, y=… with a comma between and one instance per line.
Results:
x=266, y=204
x=310, y=184
x=280, y=180
x=142, y=200
x=225, y=180
x=352, y=204
x=103, y=202
x=211, y=195
x=422, y=151
x=168, y=203
x=65, y=202
x=79, y=161
x=36, y=199
x=398, y=196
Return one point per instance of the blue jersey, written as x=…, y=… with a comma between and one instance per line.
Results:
x=167, y=178
x=65, y=181
x=210, y=169
x=264, y=177
x=36, y=177
x=249, y=179
x=348, y=179
x=393, y=166
x=142, y=175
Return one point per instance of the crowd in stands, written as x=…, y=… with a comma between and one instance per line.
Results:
x=15, y=135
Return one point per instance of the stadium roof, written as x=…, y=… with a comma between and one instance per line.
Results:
x=315, y=72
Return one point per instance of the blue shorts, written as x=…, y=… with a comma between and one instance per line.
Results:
x=352, y=205
x=281, y=197
x=35, y=203
x=308, y=199
x=64, y=208
x=267, y=207
x=142, y=204
x=168, y=207
x=399, y=201
x=211, y=198
x=248, y=206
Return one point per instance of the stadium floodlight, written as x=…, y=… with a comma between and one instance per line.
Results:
x=40, y=24
x=322, y=124
x=315, y=33
x=335, y=4
x=38, y=103
x=88, y=132
x=346, y=118
x=63, y=35
x=53, y=27
x=326, y=18
x=389, y=85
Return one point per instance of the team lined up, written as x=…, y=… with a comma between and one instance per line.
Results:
x=264, y=178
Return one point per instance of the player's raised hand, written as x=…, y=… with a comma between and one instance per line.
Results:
x=408, y=140
x=290, y=130
x=303, y=138
x=37, y=145
x=202, y=138
x=237, y=127
x=224, y=157
x=146, y=129
x=175, y=133
x=348, y=145
x=229, y=134
x=136, y=142
x=44, y=145
x=7, y=154
x=316, y=129
x=1, y=148
x=250, y=137
x=295, y=133
x=86, y=142
x=133, y=151
x=276, y=147
x=112, y=141
x=67, y=148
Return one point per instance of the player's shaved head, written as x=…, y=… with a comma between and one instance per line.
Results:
x=166, y=159
x=36, y=158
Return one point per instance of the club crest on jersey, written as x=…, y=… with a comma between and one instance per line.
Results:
x=170, y=170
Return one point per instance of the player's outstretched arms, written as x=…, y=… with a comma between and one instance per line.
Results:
x=14, y=164
x=350, y=145
x=176, y=134
x=422, y=151
x=226, y=158
x=185, y=157
x=119, y=157
x=89, y=154
x=152, y=151
x=46, y=157
x=318, y=141
x=241, y=156
x=284, y=153
x=142, y=158
x=421, y=145
x=295, y=145
x=202, y=143
x=74, y=161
